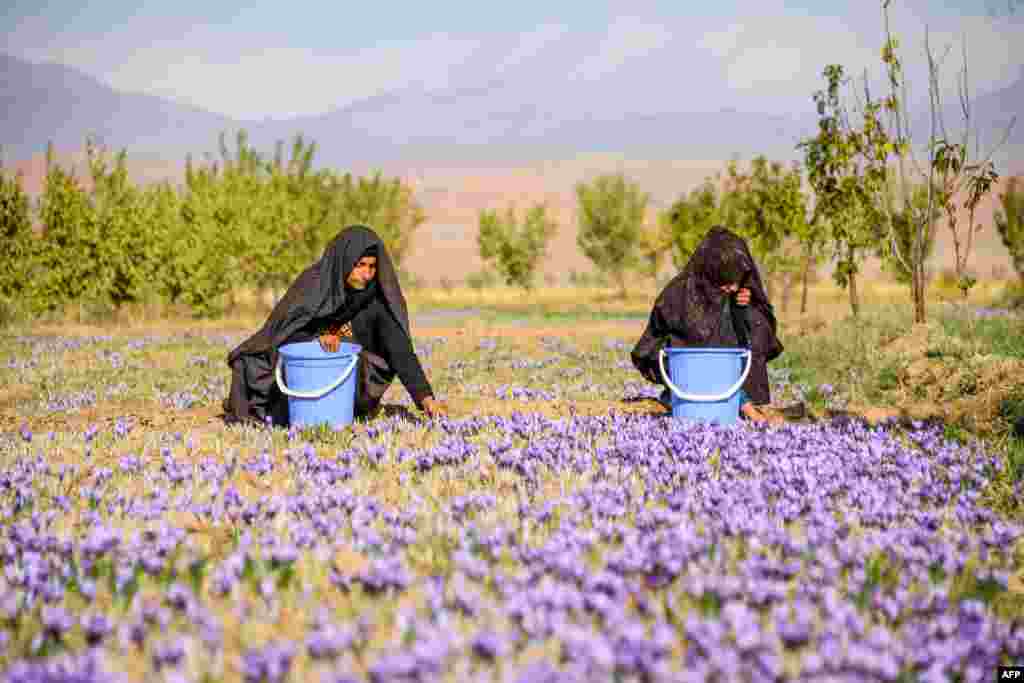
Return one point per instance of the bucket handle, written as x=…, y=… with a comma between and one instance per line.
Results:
x=704, y=398
x=318, y=393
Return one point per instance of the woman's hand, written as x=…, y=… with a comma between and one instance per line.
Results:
x=330, y=342
x=756, y=414
x=742, y=295
x=434, y=408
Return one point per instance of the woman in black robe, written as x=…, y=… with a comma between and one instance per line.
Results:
x=351, y=294
x=718, y=300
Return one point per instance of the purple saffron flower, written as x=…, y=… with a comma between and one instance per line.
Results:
x=328, y=642
x=271, y=663
x=488, y=645
x=168, y=653
x=56, y=621
x=96, y=627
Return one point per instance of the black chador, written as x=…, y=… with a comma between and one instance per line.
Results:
x=693, y=311
x=376, y=318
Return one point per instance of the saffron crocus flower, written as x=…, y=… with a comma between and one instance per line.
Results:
x=56, y=621
x=96, y=627
x=168, y=653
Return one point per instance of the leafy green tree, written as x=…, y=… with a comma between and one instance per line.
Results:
x=129, y=255
x=385, y=204
x=212, y=242
x=17, y=243
x=689, y=219
x=654, y=244
x=515, y=246
x=611, y=213
x=767, y=206
x=1010, y=223
x=70, y=252
x=845, y=188
x=813, y=238
x=253, y=222
x=242, y=221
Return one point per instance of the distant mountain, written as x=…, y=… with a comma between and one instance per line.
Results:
x=50, y=102
x=508, y=114
x=508, y=118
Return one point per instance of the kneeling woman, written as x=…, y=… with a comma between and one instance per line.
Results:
x=350, y=294
x=717, y=301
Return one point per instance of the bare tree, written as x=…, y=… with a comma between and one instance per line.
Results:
x=951, y=172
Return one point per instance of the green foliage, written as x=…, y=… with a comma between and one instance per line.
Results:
x=768, y=207
x=386, y=205
x=1010, y=223
x=70, y=254
x=998, y=335
x=655, y=241
x=16, y=240
x=515, y=247
x=906, y=215
x=240, y=222
x=611, y=217
x=689, y=219
x=956, y=174
x=846, y=167
x=129, y=238
x=593, y=279
x=481, y=279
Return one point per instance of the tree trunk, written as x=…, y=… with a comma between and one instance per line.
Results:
x=788, y=280
x=620, y=278
x=854, y=295
x=917, y=287
x=806, y=276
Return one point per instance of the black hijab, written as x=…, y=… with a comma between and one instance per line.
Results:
x=320, y=292
x=689, y=311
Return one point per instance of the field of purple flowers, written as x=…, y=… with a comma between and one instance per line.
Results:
x=501, y=544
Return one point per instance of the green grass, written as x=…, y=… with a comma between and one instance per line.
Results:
x=531, y=314
x=847, y=355
x=999, y=336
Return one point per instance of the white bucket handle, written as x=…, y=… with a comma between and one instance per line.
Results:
x=703, y=398
x=318, y=393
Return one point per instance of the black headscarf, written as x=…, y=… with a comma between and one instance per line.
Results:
x=689, y=311
x=320, y=293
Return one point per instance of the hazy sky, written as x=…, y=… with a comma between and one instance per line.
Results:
x=293, y=58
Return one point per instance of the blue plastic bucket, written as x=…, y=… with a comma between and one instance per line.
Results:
x=705, y=383
x=320, y=385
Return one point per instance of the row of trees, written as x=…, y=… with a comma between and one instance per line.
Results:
x=240, y=222
x=871, y=193
x=766, y=204
x=249, y=220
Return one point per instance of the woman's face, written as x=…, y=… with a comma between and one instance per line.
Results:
x=363, y=273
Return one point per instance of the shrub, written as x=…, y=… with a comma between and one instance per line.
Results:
x=1010, y=223
x=515, y=246
x=611, y=215
x=481, y=279
x=17, y=242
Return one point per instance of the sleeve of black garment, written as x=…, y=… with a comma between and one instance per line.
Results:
x=762, y=342
x=645, y=354
x=398, y=352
